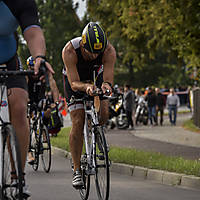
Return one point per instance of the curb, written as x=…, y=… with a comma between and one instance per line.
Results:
x=159, y=176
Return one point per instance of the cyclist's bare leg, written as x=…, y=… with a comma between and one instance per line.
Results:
x=18, y=107
x=104, y=111
x=76, y=136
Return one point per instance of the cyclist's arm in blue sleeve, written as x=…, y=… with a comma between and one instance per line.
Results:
x=25, y=12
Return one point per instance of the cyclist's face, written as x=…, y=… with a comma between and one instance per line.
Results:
x=89, y=55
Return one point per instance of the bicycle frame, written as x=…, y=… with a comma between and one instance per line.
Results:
x=90, y=148
x=4, y=116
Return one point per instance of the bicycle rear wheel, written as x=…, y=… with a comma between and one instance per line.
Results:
x=10, y=160
x=46, y=149
x=102, y=176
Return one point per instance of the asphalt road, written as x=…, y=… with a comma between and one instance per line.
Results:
x=56, y=185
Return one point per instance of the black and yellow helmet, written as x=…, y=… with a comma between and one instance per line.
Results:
x=94, y=38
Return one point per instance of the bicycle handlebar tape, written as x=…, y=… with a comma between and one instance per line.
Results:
x=96, y=103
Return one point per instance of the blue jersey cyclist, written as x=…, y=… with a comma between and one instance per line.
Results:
x=81, y=56
x=21, y=13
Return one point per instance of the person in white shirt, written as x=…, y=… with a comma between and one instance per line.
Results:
x=173, y=102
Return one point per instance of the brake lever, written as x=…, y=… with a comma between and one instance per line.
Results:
x=43, y=71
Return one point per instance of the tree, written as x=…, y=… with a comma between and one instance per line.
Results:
x=60, y=24
x=144, y=28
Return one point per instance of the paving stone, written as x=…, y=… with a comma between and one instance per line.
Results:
x=170, y=178
x=155, y=175
x=140, y=172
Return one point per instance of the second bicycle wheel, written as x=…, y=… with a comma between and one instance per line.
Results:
x=35, y=148
x=102, y=176
x=46, y=149
x=10, y=159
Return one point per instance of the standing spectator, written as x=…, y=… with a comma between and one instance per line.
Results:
x=128, y=105
x=137, y=96
x=151, y=103
x=160, y=104
x=134, y=106
x=173, y=103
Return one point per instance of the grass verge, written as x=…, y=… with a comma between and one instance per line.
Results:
x=189, y=125
x=138, y=157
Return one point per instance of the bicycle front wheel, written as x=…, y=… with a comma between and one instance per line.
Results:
x=84, y=191
x=102, y=176
x=46, y=149
x=10, y=160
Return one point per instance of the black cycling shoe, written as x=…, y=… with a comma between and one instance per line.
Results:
x=77, y=181
x=26, y=193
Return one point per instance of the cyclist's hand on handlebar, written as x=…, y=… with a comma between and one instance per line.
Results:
x=38, y=64
x=106, y=88
x=90, y=89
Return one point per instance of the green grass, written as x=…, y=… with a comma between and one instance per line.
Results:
x=62, y=140
x=189, y=125
x=139, y=158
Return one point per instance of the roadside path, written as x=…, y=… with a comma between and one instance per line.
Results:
x=168, y=140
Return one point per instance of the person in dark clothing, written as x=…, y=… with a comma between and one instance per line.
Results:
x=151, y=103
x=160, y=105
x=128, y=104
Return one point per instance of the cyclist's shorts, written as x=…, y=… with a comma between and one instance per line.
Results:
x=17, y=81
x=72, y=97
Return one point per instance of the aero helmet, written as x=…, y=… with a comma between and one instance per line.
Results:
x=94, y=38
x=30, y=61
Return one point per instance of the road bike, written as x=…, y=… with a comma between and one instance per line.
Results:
x=39, y=135
x=95, y=161
x=40, y=140
x=10, y=159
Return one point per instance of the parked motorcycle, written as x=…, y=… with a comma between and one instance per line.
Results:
x=117, y=113
x=141, y=114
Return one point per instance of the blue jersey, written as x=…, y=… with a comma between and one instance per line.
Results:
x=13, y=14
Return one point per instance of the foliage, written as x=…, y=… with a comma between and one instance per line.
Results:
x=144, y=28
x=189, y=125
x=60, y=24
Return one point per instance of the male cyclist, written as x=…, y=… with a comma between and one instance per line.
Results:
x=81, y=56
x=36, y=92
x=13, y=14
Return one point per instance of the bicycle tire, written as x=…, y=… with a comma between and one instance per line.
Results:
x=84, y=191
x=46, y=149
x=35, y=147
x=10, y=149
x=102, y=180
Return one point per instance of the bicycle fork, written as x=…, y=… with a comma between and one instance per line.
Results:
x=90, y=149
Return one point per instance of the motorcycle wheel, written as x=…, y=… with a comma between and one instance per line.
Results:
x=145, y=119
x=122, y=121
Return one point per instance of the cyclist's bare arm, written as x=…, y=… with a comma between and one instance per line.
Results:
x=53, y=87
x=70, y=60
x=109, y=59
x=35, y=41
x=36, y=44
